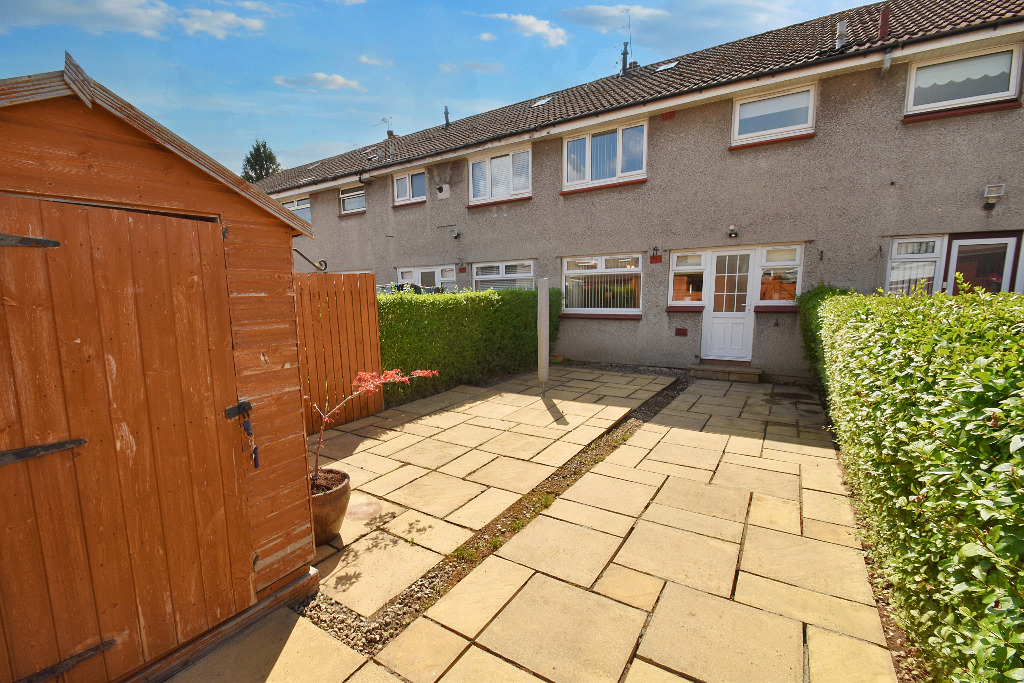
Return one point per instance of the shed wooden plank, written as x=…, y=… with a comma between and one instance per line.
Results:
x=85, y=384
x=354, y=317
x=234, y=461
x=155, y=306
x=269, y=359
x=267, y=383
x=334, y=340
x=250, y=309
x=309, y=351
x=194, y=337
x=302, y=316
x=255, y=335
x=260, y=283
x=365, y=335
x=344, y=346
x=127, y=397
x=5, y=661
x=321, y=335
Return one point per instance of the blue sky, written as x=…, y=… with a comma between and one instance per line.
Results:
x=316, y=77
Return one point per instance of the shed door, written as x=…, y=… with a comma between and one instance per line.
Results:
x=120, y=336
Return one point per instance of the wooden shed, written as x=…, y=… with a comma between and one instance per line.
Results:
x=145, y=292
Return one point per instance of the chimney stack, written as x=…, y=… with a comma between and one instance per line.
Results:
x=391, y=134
x=841, y=34
x=446, y=123
x=883, y=23
x=625, y=56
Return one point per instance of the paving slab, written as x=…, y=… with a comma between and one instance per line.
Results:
x=430, y=454
x=417, y=429
x=436, y=494
x=522, y=446
x=758, y=480
x=691, y=473
x=512, y=474
x=758, y=462
x=357, y=476
x=534, y=430
x=479, y=512
x=392, y=446
x=477, y=666
x=801, y=446
x=696, y=439
x=851, y=618
x=373, y=673
x=676, y=454
x=279, y=648
x=467, y=435
x=815, y=565
x=464, y=464
x=744, y=445
x=597, y=490
x=702, y=562
x=642, y=672
x=595, y=518
x=828, y=507
x=422, y=652
x=567, y=551
x=583, y=435
x=443, y=420
x=491, y=409
x=366, y=513
x=557, y=454
x=713, y=639
x=591, y=641
x=707, y=499
x=374, y=569
x=825, y=476
x=643, y=438
x=627, y=456
x=472, y=603
x=716, y=527
x=429, y=532
x=372, y=462
x=629, y=474
x=775, y=513
x=386, y=483
x=630, y=586
x=832, y=657
x=342, y=444
x=833, y=533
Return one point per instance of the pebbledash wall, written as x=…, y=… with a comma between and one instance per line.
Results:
x=864, y=177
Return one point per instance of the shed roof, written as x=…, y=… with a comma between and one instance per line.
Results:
x=793, y=47
x=74, y=81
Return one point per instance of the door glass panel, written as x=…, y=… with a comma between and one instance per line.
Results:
x=982, y=265
x=731, y=283
x=428, y=278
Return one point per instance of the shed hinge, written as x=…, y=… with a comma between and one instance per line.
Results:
x=224, y=233
x=7, y=457
x=243, y=408
x=23, y=241
x=51, y=672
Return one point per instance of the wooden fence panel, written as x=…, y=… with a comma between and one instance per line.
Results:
x=338, y=338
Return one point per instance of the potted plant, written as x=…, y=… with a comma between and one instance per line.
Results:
x=331, y=489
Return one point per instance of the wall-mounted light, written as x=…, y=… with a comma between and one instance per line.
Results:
x=454, y=233
x=732, y=231
x=992, y=195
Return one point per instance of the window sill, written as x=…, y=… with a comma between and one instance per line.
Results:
x=603, y=316
x=758, y=143
x=399, y=205
x=588, y=188
x=776, y=308
x=352, y=213
x=473, y=205
x=961, y=111
x=695, y=308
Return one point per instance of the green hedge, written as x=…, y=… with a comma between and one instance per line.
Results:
x=809, y=302
x=927, y=397
x=467, y=337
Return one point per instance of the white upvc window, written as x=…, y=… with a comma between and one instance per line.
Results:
x=411, y=187
x=605, y=156
x=914, y=261
x=781, y=270
x=687, y=270
x=299, y=206
x=970, y=78
x=776, y=115
x=352, y=200
x=602, y=284
x=503, y=275
x=440, y=277
x=504, y=176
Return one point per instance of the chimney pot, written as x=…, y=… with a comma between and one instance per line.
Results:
x=391, y=135
x=446, y=123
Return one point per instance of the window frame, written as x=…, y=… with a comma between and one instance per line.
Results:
x=408, y=181
x=488, y=158
x=620, y=176
x=602, y=270
x=293, y=206
x=775, y=133
x=437, y=270
x=938, y=257
x=502, y=274
x=673, y=269
x=348, y=193
x=1012, y=93
x=762, y=263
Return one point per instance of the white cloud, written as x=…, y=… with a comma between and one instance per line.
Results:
x=487, y=37
x=318, y=81
x=145, y=17
x=448, y=67
x=529, y=25
x=218, y=23
x=375, y=61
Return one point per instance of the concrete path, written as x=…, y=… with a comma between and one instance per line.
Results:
x=428, y=474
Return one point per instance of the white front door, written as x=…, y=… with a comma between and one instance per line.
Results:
x=728, y=332
x=984, y=262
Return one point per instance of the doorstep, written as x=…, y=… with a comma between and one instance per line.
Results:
x=729, y=373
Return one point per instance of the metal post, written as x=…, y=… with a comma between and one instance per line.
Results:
x=543, y=328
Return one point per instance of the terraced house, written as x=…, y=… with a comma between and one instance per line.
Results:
x=682, y=205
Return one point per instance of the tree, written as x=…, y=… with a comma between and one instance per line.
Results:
x=260, y=162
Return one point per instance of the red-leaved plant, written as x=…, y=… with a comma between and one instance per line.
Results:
x=366, y=383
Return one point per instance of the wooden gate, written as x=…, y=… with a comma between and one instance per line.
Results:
x=137, y=539
x=339, y=336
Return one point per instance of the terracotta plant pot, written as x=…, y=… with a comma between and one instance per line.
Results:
x=329, y=511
